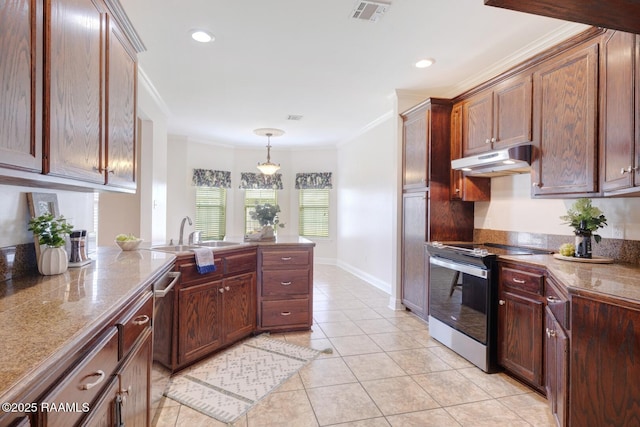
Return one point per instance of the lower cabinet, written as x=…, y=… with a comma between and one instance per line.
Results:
x=557, y=368
x=415, y=292
x=520, y=324
x=134, y=399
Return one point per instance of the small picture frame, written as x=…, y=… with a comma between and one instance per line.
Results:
x=40, y=204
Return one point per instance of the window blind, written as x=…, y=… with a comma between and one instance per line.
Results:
x=314, y=213
x=211, y=212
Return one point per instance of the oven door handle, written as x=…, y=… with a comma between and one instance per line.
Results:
x=463, y=268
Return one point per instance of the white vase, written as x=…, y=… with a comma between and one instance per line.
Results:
x=267, y=233
x=53, y=261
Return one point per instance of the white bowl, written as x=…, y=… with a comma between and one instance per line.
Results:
x=129, y=245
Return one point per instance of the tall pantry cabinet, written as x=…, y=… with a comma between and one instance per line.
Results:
x=427, y=211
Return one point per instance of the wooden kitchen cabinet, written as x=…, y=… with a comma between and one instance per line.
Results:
x=206, y=312
x=620, y=147
x=565, y=117
x=557, y=352
x=415, y=295
x=520, y=323
x=498, y=117
x=21, y=85
x=134, y=395
x=285, y=287
x=465, y=188
x=604, y=361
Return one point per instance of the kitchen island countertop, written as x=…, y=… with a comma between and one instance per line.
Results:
x=43, y=317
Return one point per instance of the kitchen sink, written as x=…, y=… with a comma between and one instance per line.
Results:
x=217, y=243
x=174, y=248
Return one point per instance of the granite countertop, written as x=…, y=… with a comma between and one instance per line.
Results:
x=43, y=317
x=621, y=281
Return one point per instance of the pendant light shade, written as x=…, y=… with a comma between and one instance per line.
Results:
x=268, y=168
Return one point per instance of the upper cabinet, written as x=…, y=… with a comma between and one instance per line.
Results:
x=619, y=114
x=565, y=117
x=426, y=128
x=498, y=117
x=68, y=76
x=21, y=85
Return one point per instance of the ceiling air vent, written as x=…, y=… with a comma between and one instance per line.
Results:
x=369, y=10
x=294, y=117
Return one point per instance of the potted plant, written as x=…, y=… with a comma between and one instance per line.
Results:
x=585, y=220
x=51, y=233
x=267, y=216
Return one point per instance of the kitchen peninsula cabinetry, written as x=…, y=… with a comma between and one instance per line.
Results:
x=285, y=287
x=498, y=117
x=464, y=187
x=205, y=312
x=620, y=111
x=604, y=361
x=565, y=117
x=428, y=212
x=520, y=322
x=557, y=351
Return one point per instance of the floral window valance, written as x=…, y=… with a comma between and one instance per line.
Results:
x=250, y=180
x=316, y=180
x=211, y=178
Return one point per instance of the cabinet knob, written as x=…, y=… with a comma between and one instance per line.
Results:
x=227, y=288
x=221, y=290
x=493, y=139
x=629, y=169
x=487, y=141
x=537, y=184
x=501, y=302
x=551, y=333
x=457, y=190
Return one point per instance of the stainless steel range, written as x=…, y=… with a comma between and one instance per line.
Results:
x=463, y=298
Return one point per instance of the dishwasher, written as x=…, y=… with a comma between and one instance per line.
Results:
x=160, y=376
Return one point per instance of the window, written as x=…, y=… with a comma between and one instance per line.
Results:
x=254, y=197
x=211, y=207
x=314, y=213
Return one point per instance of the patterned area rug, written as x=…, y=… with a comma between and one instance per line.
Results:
x=228, y=385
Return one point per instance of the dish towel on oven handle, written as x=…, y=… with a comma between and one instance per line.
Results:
x=204, y=260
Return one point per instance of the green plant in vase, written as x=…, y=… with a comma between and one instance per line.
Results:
x=585, y=219
x=51, y=232
x=267, y=216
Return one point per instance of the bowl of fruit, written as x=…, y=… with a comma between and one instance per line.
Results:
x=128, y=242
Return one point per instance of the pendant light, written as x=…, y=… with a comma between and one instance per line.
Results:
x=267, y=167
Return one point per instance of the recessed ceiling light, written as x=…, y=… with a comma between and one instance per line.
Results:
x=202, y=36
x=424, y=63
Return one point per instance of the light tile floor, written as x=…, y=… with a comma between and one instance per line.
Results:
x=385, y=370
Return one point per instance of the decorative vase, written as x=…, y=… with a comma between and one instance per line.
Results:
x=583, y=242
x=53, y=261
x=268, y=233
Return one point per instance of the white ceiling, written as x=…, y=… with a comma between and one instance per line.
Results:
x=273, y=58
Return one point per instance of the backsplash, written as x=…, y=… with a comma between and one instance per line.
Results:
x=18, y=261
x=627, y=251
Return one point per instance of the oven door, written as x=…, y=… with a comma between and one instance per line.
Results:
x=459, y=296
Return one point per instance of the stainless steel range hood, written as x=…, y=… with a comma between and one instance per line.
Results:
x=508, y=161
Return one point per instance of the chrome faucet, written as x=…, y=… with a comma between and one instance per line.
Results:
x=181, y=241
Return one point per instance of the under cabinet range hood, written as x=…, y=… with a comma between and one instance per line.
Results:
x=508, y=161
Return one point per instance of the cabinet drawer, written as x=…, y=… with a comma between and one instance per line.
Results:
x=285, y=258
x=85, y=382
x=285, y=282
x=284, y=313
x=136, y=321
x=522, y=280
x=239, y=263
x=190, y=272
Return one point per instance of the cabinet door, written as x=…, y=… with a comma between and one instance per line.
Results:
x=414, y=268
x=239, y=307
x=416, y=149
x=557, y=368
x=520, y=325
x=565, y=97
x=121, y=110
x=477, y=124
x=21, y=85
x=135, y=385
x=513, y=112
x=73, y=128
x=617, y=151
x=103, y=412
x=199, y=320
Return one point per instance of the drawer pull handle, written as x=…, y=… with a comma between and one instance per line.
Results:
x=285, y=283
x=285, y=313
x=140, y=320
x=518, y=280
x=286, y=258
x=100, y=374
